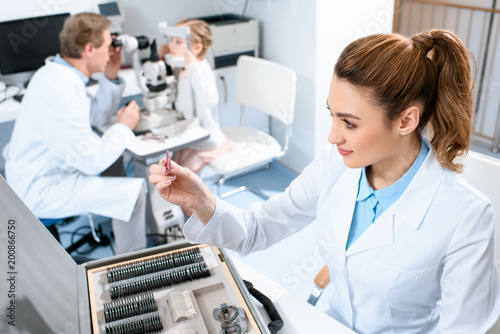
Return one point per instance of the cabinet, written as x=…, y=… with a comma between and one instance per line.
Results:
x=227, y=111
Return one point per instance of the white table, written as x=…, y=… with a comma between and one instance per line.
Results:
x=179, y=135
x=298, y=316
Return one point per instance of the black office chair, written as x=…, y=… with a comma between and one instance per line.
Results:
x=93, y=238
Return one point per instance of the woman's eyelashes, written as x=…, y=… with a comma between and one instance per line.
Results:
x=348, y=124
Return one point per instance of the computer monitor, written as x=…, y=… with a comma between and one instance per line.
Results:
x=25, y=43
x=114, y=12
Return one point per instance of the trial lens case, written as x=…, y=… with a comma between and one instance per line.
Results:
x=176, y=288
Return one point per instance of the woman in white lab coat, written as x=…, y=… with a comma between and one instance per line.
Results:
x=408, y=243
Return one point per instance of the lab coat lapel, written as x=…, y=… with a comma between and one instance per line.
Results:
x=415, y=201
x=379, y=234
x=410, y=208
x=343, y=200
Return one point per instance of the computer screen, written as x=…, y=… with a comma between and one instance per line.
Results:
x=109, y=9
x=25, y=43
x=113, y=12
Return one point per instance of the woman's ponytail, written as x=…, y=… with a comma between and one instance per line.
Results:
x=450, y=124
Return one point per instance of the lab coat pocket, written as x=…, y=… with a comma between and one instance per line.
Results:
x=414, y=295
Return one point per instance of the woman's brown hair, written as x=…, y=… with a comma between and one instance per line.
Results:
x=200, y=33
x=79, y=30
x=431, y=70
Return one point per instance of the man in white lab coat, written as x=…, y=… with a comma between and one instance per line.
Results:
x=54, y=159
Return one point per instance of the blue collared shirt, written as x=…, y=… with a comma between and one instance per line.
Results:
x=60, y=60
x=370, y=204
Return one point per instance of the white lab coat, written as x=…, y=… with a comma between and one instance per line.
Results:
x=54, y=158
x=426, y=265
x=199, y=78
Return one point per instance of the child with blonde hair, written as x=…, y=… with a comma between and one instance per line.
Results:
x=196, y=77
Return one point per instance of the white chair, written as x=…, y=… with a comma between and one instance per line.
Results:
x=483, y=172
x=270, y=88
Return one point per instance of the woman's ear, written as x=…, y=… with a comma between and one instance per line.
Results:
x=409, y=120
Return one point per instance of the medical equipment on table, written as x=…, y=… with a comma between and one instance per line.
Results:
x=157, y=88
x=177, y=62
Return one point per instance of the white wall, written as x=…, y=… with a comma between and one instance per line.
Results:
x=141, y=17
x=288, y=37
x=338, y=23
